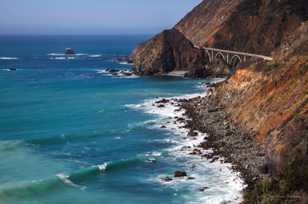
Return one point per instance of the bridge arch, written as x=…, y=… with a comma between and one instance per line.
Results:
x=219, y=56
x=235, y=60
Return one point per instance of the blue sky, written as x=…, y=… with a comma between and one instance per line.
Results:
x=91, y=16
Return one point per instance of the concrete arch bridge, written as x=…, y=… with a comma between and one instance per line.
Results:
x=232, y=58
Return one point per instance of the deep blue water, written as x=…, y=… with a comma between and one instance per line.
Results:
x=63, y=117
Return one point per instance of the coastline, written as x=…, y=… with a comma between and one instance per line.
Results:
x=225, y=138
x=189, y=143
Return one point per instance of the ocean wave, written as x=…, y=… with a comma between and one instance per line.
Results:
x=64, y=138
x=10, y=145
x=9, y=58
x=57, y=58
x=81, y=54
x=56, y=54
x=125, y=63
x=24, y=189
x=118, y=73
x=6, y=70
x=95, y=56
x=224, y=185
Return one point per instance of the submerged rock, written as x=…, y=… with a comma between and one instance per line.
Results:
x=203, y=188
x=180, y=174
x=167, y=179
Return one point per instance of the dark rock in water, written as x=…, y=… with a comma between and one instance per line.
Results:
x=166, y=179
x=163, y=126
x=180, y=174
x=180, y=120
x=69, y=51
x=185, y=148
x=161, y=106
x=215, y=158
x=193, y=133
x=126, y=73
x=112, y=70
x=12, y=69
x=204, y=145
x=196, y=152
x=163, y=101
x=190, y=178
x=203, y=188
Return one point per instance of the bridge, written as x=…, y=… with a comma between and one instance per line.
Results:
x=232, y=58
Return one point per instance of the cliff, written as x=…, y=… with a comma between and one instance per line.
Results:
x=258, y=26
x=268, y=101
x=168, y=51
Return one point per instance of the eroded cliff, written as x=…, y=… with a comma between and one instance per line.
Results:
x=268, y=100
x=255, y=26
x=167, y=51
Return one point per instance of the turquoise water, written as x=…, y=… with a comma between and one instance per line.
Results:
x=60, y=119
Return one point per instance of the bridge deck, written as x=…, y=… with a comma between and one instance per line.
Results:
x=238, y=53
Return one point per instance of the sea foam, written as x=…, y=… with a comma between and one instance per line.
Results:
x=9, y=58
x=224, y=185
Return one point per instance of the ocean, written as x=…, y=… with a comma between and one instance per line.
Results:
x=70, y=132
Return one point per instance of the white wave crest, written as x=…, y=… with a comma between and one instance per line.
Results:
x=95, y=56
x=9, y=58
x=65, y=179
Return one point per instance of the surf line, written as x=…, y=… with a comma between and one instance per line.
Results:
x=28, y=188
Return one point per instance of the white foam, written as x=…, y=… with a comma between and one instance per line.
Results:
x=9, y=58
x=81, y=54
x=224, y=184
x=95, y=56
x=120, y=73
x=125, y=63
x=102, y=167
x=58, y=58
x=56, y=54
x=65, y=179
x=102, y=71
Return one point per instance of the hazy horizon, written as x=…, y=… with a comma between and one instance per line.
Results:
x=94, y=17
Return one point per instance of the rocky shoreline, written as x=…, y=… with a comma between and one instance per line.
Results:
x=225, y=139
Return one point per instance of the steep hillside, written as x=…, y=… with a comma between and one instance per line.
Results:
x=268, y=101
x=256, y=26
x=271, y=101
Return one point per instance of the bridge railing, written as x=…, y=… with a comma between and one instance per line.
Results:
x=267, y=58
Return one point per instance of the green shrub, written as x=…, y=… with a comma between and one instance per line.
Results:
x=303, y=69
x=272, y=65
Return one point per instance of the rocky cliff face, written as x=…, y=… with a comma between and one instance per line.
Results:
x=268, y=100
x=256, y=26
x=271, y=101
x=167, y=51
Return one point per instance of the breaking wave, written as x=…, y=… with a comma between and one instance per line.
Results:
x=28, y=188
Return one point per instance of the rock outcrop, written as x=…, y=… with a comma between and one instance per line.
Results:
x=168, y=51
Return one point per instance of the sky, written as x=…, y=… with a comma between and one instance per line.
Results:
x=91, y=16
